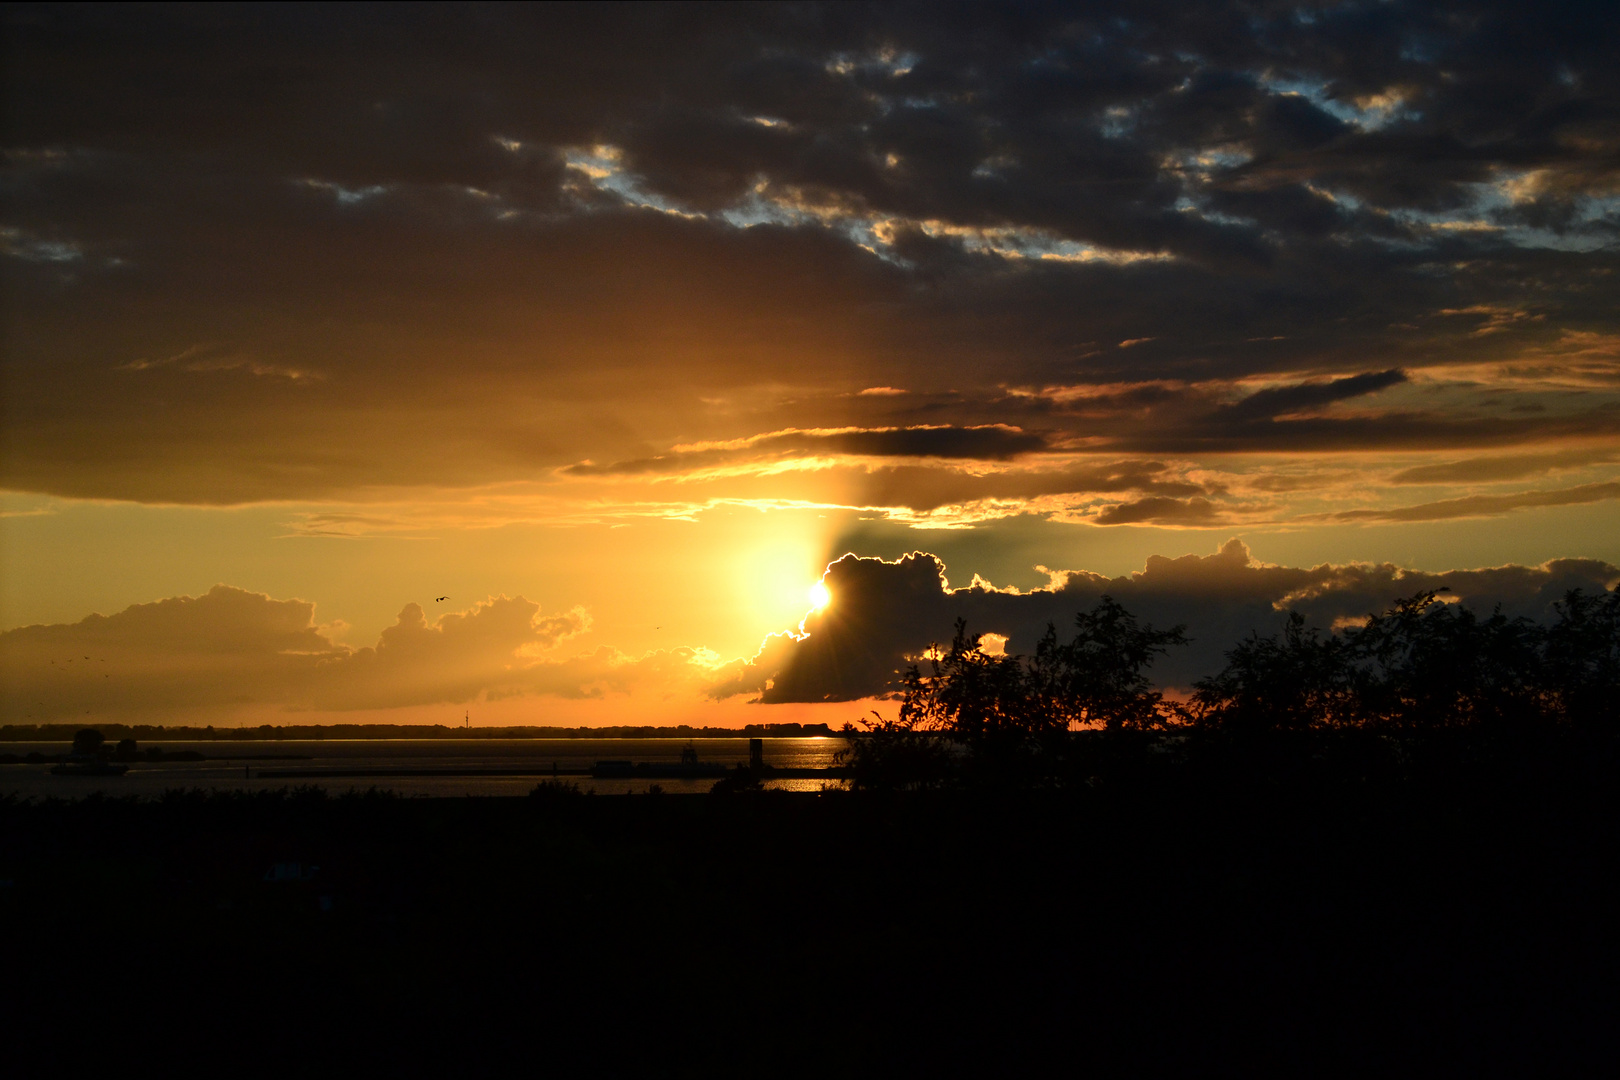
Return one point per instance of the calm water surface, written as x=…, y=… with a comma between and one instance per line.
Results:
x=227, y=761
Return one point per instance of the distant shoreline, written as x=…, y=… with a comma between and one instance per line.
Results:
x=308, y=732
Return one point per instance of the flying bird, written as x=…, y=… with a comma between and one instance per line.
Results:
x=438, y=599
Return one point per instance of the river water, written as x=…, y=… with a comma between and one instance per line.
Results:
x=238, y=764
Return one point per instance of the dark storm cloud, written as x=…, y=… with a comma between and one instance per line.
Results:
x=988, y=443
x=1156, y=418
x=1268, y=403
x=1516, y=467
x=606, y=217
x=924, y=489
x=1219, y=431
x=884, y=615
x=1158, y=510
x=1486, y=505
x=1146, y=419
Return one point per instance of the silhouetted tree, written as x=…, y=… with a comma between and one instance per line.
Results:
x=988, y=703
x=1099, y=679
x=1297, y=680
x=1425, y=665
x=1581, y=662
x=1012, y=713
x=984, y=699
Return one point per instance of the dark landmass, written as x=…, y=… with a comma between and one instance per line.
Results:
x=148, y=754
x=1292, y=903
x=601, y=770
x=180, y=733
x=90, y=747
x=1391, y=850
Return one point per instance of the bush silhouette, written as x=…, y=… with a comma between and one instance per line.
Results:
x=892, y=755
x=1423, y=666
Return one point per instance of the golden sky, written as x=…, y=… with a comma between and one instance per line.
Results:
x=614, y=327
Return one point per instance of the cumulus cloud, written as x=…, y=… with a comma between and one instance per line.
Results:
x=490, y=649
x=884, y=615
x=850, y=646
x=233, y=650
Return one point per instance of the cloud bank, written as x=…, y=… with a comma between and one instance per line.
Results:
x=231, y=650
x=884, y=615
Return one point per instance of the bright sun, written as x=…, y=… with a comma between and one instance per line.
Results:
x=818, y=595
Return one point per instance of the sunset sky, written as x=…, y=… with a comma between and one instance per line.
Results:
x=614, y=325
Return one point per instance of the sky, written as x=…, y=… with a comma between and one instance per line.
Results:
x=534, y=364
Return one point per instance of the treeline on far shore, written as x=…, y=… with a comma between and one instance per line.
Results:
x=315, y=732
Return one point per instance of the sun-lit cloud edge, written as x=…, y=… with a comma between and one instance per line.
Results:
x=881, y=613
x=231, y=649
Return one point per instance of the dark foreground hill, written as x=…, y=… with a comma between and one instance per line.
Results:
x=1455, y=918
x=318, y=732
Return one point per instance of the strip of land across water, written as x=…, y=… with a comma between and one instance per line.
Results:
x=191, y=733
x=78, y=762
